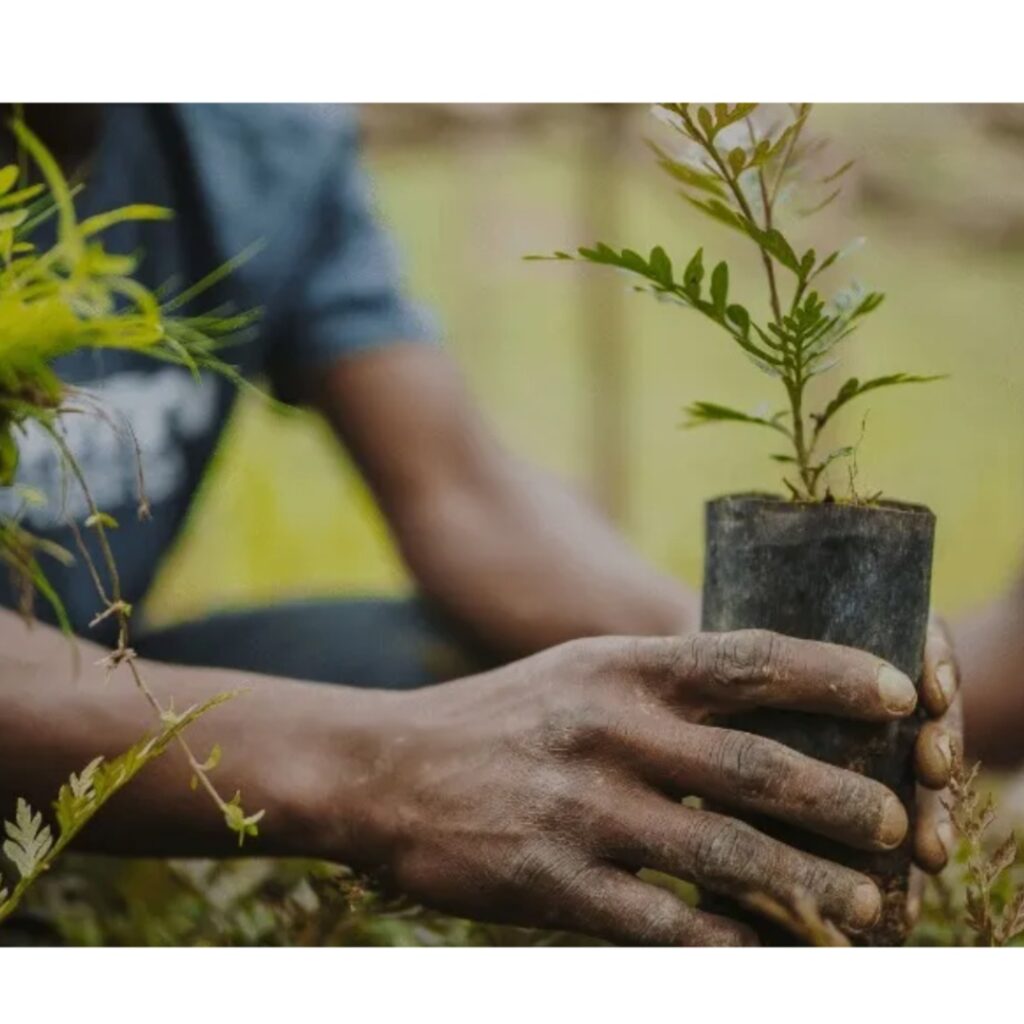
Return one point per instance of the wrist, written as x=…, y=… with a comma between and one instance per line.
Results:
x=333, y=807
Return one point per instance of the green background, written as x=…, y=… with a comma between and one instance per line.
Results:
x=937, y=190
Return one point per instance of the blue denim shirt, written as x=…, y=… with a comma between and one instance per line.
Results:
x=325, y=280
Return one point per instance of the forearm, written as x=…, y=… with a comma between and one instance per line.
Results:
x=527, y=563
x=990, y=648
x=509, y=551
x=299, y=751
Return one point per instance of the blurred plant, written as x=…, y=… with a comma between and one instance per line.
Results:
x=99, y=901
x=73, y=296
x=800, y=916
x=740, y=171
x=980, y=899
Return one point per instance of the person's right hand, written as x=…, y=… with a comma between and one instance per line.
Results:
x=533, y=793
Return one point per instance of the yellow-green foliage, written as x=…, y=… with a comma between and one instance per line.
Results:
x=72, y=296
x=30, y=844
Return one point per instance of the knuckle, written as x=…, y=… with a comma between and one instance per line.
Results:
x=726, y=850
x=591, y=656
x=575, y=726
x=661, y=658
x=746, y=655
x=571, y=808
x=563, y=885
x=861, y=801
x=665, y=922
x=753, y=767
x=815, y=877
x=531, y=868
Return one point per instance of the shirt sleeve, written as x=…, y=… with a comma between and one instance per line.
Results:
x=349, y=296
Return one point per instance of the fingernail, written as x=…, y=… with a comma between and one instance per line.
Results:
x=892, y=828
x=866, y=906
x=896, y=690
x=946, y=678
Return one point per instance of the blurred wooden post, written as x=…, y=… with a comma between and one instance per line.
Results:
x=603, y=313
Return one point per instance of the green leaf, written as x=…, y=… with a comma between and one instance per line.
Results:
x=12, y=219
x=761, y=152
x=687, y=175
x=776, y=244
x=214, y=758
x=706, y=121
x=8, y=178
x=726, y=115
x=631, y=260
x=839, y=254
x=29, y=840
x=60, y=193
x=137, y=211
x=838, y=173
x=737, y=159
x=717, y=210
x=700, y=413
x=694, y=274
x=771, y=241
x=50, y=595
x=870, y=302
x=238, y=821
x=21, y=197
x=720, y=288
x=837, y=453
x=101, y=519
x=807, y=211
x=740, y=317
x=661, y=266
x=854, y=388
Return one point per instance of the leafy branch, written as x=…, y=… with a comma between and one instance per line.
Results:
x=739, y=174
x=77, y=295
x=30, y=843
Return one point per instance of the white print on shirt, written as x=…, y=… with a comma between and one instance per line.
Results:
x=164, y=408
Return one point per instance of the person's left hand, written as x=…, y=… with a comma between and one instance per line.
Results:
x=939, y=745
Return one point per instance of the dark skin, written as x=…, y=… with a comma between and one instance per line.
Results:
x=531, y=793
x=512, y=553
x=528, y=793
x=990, y=647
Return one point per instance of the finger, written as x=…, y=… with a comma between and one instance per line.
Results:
x=754, y=667
x=940, y=678
x=727, y=857
x=933, y=831
x=612, y=904
x=933, y=755
x=752, y=774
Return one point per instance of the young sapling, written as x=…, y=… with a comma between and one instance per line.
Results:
x=742, y=170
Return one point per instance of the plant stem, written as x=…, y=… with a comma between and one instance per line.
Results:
x=803, y=452
x=116, y=606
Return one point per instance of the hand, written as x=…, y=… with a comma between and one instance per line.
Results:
x=532, y=794
x=939, y=744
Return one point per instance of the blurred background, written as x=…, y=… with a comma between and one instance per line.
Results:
x=589, y=379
